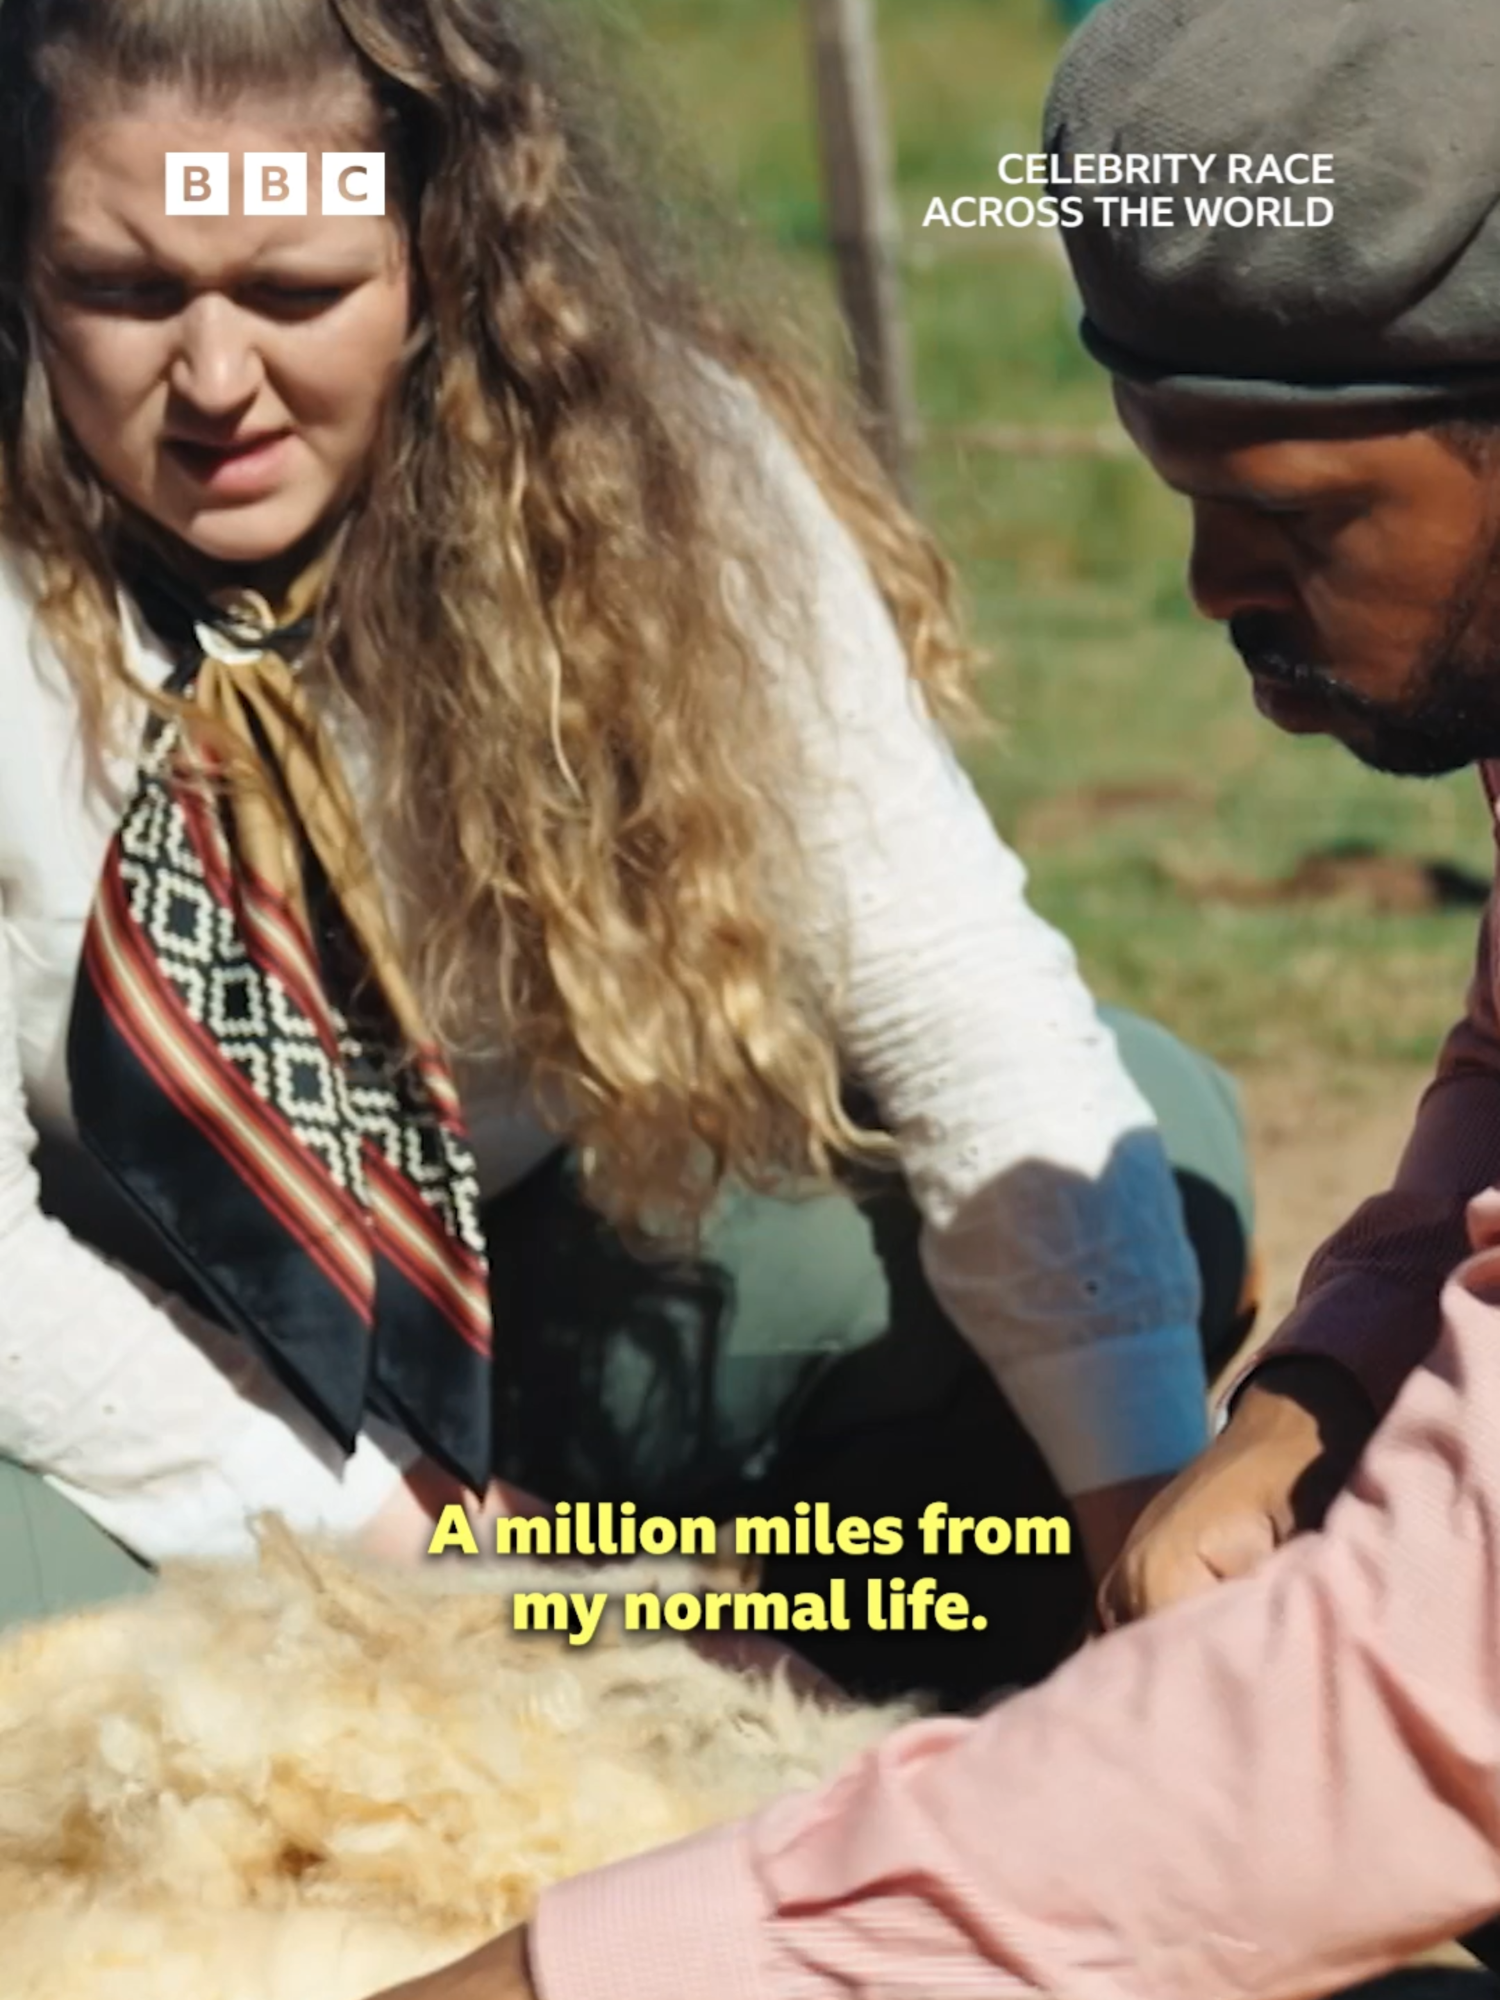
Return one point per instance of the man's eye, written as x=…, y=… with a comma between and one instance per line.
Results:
x=1278, y=506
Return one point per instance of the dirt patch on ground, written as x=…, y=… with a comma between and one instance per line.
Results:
x=1075, y=815
x=1356, y=876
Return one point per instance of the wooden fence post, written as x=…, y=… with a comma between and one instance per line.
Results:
x=862, y=223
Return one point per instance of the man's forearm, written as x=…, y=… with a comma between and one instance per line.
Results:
x=499, y=1970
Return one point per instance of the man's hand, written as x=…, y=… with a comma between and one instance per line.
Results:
x=1297, y=1429
x=497, y=1971
x=1106, y=1515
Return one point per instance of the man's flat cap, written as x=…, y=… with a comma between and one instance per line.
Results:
x=1397, y=298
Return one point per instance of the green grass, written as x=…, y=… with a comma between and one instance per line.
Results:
x=1104, y=676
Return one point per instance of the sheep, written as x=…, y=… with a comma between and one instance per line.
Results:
x=304, y=1778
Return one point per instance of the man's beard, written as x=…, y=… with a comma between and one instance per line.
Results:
x=1449, y=714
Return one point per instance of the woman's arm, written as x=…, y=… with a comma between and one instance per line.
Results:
x=162, y=1427
x=1053, y=1227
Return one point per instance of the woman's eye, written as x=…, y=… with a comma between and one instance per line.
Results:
x=297, y=298
x=150, y=297
x=145, y=295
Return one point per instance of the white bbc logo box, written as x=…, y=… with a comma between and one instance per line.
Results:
x=275, y=184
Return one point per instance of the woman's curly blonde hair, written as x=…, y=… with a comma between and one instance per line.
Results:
x=579, y=778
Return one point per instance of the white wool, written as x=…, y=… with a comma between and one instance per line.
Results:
x=305, y=1779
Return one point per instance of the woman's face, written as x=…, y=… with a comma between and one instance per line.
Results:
x=225, y=374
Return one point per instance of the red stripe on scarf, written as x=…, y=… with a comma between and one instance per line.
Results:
x=156, y=1033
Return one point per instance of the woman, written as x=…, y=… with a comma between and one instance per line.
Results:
x=470, y=813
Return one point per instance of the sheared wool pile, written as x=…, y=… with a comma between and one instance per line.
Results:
x=305, y=1780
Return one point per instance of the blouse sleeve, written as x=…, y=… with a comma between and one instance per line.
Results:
x=156, y=1423
x=1053, y=1232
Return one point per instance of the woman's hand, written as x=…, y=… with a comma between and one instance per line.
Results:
x=402, y=1530
x=497, y=1971
x=1296, y=1432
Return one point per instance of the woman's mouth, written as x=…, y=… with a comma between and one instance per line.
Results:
x=244, y=469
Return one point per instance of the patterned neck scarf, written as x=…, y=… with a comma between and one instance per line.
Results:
x=248, y=1061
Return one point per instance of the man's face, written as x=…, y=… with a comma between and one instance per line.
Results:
x=1356, y=569
x=224, y=374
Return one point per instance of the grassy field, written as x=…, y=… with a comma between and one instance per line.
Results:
x=1134, y=775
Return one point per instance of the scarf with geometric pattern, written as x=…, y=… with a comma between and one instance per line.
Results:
x=247, y=1059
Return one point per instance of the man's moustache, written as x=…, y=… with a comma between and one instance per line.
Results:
x=1270, y=659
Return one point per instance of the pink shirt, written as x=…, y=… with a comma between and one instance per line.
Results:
x=1283, y=1786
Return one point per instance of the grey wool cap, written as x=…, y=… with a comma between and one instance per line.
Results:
x=1396, y=299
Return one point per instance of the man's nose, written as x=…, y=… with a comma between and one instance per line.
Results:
x=217, y=366
x=1236, y=565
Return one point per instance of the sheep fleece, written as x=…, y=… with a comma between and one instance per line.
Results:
x=303, y=1779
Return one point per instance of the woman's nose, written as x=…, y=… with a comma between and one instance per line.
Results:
x=217, y=365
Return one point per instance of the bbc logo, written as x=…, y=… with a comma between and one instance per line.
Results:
x=275, y=184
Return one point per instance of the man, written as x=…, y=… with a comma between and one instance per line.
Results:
x=1292, y=1781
